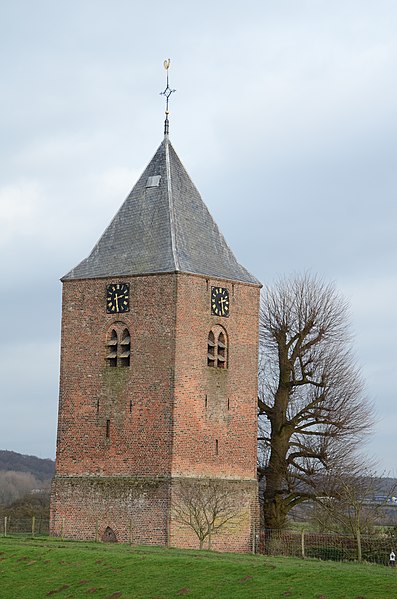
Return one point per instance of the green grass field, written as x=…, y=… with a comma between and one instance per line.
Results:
x=31, y=568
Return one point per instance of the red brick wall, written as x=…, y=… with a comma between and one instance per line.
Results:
x=238, y=534
x=91, y=393
x=171, y=429
x=212, y=403
x=135, y=509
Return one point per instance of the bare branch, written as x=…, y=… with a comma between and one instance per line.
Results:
x=313, y=413
x=205, y=506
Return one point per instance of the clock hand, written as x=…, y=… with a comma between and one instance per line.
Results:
x=117, y=297
x=222, y=301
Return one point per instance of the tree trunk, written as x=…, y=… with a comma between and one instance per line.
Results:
x=275, y=509
x=359, y=549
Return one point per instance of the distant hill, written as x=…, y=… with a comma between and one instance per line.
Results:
x=41, y=469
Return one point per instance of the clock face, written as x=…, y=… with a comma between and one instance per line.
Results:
x=117, y=298
x=219, y=301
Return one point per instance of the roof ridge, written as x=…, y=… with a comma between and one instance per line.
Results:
x=171, y=204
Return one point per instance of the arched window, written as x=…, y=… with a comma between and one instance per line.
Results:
x=217, y=348
x=109, y=536
x=211, y=350
x=125, y=348
x=221, y=357
x=118, y=346
x=111, y=356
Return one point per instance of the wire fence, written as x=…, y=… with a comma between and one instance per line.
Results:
x=327, y=546
x=303, y=544
x=28, y=527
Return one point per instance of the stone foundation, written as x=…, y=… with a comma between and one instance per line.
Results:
x=144, y=511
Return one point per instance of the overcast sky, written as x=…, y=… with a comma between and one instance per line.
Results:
x=284, y=117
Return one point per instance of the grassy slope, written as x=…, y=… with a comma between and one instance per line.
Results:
x=31, y=569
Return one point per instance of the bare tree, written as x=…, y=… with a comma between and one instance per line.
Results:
x=354, y=503
x=206, y=507
x=14, y=485
x=312, y=410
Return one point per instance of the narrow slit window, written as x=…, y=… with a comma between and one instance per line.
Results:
x=216, y=447
x=107, y=429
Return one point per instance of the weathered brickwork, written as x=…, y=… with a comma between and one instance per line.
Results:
x=135, y=509
x=214, y=404
x=239, y=534
x=138, y=401
x=126, y=433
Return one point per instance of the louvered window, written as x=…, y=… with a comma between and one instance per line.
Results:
x=211, y=360
x=217, y=348
x=221, y=357
x=111, y=354
x=125, y=349
x=118, y=347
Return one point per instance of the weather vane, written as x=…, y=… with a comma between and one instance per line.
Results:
x=167, y=92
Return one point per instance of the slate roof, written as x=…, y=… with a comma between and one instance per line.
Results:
x=163, y=226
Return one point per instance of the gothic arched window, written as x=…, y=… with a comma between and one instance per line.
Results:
x=211, y=360
x=111, y=346
x=125, y=349
x=217, y=348
x=118, y=346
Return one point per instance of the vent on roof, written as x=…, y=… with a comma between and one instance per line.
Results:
x=153, y=181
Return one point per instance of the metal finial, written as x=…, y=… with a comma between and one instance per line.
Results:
x=167, y=92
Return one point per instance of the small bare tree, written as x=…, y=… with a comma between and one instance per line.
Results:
x=312, y=411
x=353, y=504
x=206, y=507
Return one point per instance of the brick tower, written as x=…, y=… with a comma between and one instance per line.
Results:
x=158, y=380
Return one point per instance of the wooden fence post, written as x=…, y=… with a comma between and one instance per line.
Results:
x=303, y=543
x=33, y=525
x=5, y=526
